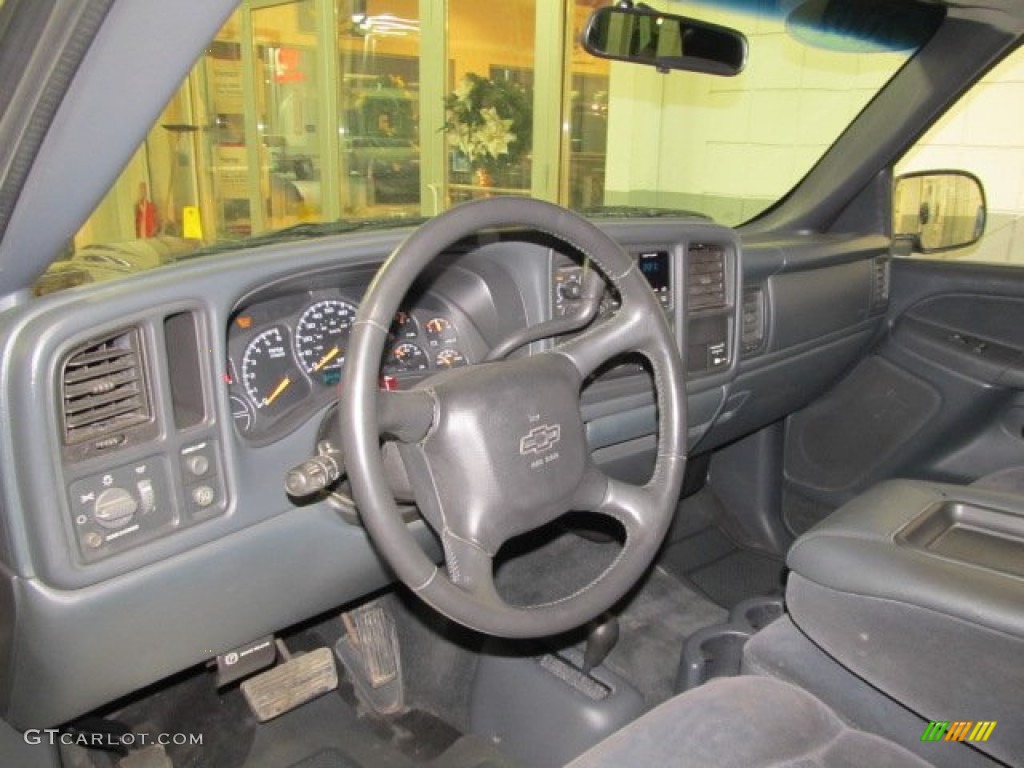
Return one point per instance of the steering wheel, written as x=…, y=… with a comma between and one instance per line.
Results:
x=499, y=449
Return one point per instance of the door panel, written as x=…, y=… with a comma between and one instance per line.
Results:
x=941, y=396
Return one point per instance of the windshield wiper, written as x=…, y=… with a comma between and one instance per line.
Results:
x=638, y=212
x=308, y=230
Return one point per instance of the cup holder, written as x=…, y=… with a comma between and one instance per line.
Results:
x=758, y=612
x=717, y=651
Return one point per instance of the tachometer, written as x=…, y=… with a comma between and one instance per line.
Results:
x=405, y=327
x=268, y=374
x=321, y=338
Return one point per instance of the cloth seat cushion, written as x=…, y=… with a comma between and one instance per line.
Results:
x=745, y=722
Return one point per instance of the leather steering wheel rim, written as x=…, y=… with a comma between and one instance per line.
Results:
x=518, y=425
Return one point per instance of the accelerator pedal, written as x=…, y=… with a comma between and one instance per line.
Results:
x=370, y=652
x=290, y=684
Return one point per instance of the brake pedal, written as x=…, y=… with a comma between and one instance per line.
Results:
x=370, y=653
x=291, y=684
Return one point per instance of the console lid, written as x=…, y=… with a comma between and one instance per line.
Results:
x=919, y=588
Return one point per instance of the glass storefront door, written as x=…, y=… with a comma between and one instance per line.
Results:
x=320, y=110
x=288, y=114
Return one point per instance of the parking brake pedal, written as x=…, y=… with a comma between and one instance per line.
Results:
x=291, y=684
x=370, y=653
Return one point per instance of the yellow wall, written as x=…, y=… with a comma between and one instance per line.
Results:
x=984, y=135
x=731, y=139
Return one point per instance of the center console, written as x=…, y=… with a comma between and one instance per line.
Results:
x=697, y=278
x=916, y=588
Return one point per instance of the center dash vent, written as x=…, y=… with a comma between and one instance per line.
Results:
x=103, y=390
x=705, y=276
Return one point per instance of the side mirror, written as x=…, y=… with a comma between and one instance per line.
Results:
x=664, y=41
x=939, y=210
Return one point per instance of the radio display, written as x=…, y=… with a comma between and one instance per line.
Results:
x=654, y=266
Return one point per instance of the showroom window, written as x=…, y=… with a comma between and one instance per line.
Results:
x=324, y=110
x=307, y=111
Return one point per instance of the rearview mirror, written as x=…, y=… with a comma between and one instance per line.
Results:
x=939, y=210
x=664, y=41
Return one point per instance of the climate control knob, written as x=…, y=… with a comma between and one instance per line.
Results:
x=114, y=507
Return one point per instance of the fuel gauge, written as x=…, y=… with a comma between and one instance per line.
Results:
x=440, y=332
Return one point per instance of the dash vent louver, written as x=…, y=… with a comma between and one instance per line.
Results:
x=103, y=389
x=705, y=276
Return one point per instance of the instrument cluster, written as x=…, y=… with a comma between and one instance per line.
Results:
x=290, y=351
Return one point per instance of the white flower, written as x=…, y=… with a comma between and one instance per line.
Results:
x=464, y=89
x=479, y=135
x=495, y=134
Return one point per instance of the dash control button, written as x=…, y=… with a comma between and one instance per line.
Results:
x=146, y=495
x=203, y=495
x=198, y=464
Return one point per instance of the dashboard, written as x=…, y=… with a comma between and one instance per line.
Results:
x=151, y=421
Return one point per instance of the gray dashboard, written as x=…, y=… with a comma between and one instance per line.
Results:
x=170, y=538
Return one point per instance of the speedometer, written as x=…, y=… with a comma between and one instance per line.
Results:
x=321, y=338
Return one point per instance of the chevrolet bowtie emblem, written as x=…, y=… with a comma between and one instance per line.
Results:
x=540, y=439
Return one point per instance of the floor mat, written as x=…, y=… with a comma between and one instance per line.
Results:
x=333, y=731
x=655, y=618
x=653, y=627
x=326, y=758
x=739, y=575
x=722, y=571
x=332, y=727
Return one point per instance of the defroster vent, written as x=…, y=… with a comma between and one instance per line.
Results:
x=103, y=389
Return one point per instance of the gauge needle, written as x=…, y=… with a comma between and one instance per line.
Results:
x=280, y=388
x=326, y=359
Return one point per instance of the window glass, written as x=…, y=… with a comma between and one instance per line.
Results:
x=307, y=111
x=489, y=102
x=378, y=106
x=586, y=113
x=289, y=130
x=729, y=147
x=982, y=134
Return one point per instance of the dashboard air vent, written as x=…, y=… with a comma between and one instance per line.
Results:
x=753, y=319
x=705, y=276
x=103, y=389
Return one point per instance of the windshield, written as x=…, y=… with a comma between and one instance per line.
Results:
x=368, y=113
